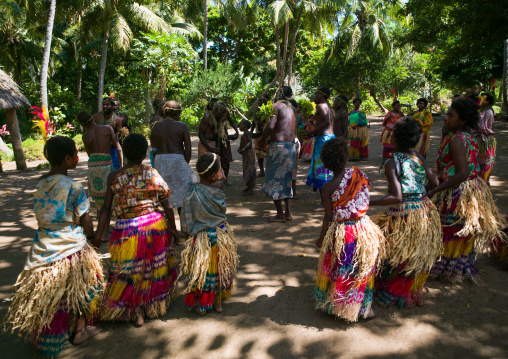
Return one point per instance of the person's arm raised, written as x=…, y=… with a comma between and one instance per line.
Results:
x=233, y=124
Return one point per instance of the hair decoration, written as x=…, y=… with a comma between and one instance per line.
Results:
x=210, y=166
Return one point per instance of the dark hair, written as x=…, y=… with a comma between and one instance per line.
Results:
x=334, y=154
x=287, y=91
x=472, y=94
x=293, y=103
x=407, y=132
x=467, y=110
x=247, y=123
x=157, y=103
x=344, y=98
x=57, y=148
x=135, y=146
x=456, y=95
x=209, y=105
x=84, y=118
x=489, y=97
x=424, y=100
x=396, y=102
x=108, y=99
x=357, y=99
x=204, y=161
x=325, y=91
x=171, y=108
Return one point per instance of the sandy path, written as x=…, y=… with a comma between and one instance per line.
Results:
x=270, y=313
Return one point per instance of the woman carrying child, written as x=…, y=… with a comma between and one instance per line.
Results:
x=62, y=279
x=469, y=217
x=352, y=246
x=209, y=260
x=143, y=263
x=411, y=225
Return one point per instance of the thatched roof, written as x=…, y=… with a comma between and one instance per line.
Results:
x=10, y=96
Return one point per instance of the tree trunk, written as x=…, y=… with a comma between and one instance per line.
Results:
x=148, y=98
x=102, y=72
x=17, y=146
x=205, y=33
x=293, y=44
x=263, y=94
x=373, y=95
x=285, y=56
x=45, y=59
x=277, y=40
x=80, y=75
x=505, y=73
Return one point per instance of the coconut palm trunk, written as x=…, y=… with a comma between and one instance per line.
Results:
x=46, y=54
x=285, y=54
x=17, y=147
x=505, y=75
x=102, y=72
x=205, y=32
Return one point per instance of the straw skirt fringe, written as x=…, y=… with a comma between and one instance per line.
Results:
x=351, y=253
x=56, y=296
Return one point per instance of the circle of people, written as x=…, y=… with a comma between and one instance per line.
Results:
x=433, y=227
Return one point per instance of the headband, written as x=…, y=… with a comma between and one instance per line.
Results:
x=211, y=165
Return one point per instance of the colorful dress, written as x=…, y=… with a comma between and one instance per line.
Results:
x=99, y=167
x=308, y=143
x=425, y=120
x=280, y=166
x=358, y=136
x=352, y=251
x=319, y=175
x=487, y=143
x=389, y=123
x=143, y=263
x=62, y=278
x=249, y=168
x=413, y=234
x=469, y=216
x=209, y=260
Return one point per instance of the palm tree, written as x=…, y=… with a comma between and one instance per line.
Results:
x=46, y=54
x=114, y=19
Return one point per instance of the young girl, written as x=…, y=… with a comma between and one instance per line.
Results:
x=469, y=216
x=485, y=136
x=389, y=122
x=308, y=142
x=424, y=118
x=209, y=260
x=62, y=278
x=248, y=158
x=358, y=133
x=352, y=246
x=411, y=224
x=143, y=263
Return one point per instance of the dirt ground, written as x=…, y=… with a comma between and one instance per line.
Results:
x=271, y=314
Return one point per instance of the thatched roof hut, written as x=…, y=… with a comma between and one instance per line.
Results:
x=10, y=96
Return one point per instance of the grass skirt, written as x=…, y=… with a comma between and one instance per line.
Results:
x=351, y=253
x=387, y=144
x=49, y=302
x=358, y=143
x=143, y=268
x=414, y=239
x=210, y=262
x=423, y=144
x=487, y=152
x=471, y=222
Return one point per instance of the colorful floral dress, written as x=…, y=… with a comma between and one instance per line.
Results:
x=308, y=143
x=352, y=251
x=413, y=233
x=389, y=123
x=358, y=135
x=469, y=216
x=425, y=119
x=143, y=263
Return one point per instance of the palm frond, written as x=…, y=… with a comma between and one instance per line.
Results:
x=280, y=11
x=356, y=35
x=120, y=33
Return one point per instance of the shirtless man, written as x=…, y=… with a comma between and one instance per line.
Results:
x=318, y=174
x=281, y=128
x=122, y=117
x=108, y=117
x=213, y=135
x=341, y=121
x=172, y=140
x=98, y=141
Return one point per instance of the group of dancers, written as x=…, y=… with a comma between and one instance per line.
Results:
x=434, y=225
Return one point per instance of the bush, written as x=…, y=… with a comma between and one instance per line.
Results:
x=308, y=107
x=191, y=117
x=79, y=142
x=33, y=149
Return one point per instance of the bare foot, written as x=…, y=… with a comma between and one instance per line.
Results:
x=370, y=314
x=276, y=219
x=137, y=320
x=319, y=208
x=419, y=301
x=261, y=174
x=289, y=218
x=86, y=333
x=199, y=311
x=218, y=307
x=248, y=192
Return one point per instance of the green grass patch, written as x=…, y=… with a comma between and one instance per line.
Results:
x=33, y=149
